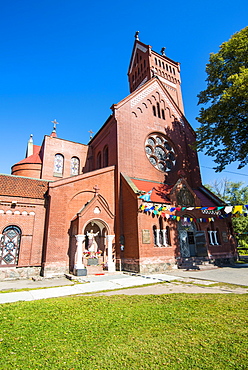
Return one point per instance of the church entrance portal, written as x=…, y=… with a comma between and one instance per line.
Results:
x=192, y=242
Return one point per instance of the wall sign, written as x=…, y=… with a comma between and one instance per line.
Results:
x=146, y=238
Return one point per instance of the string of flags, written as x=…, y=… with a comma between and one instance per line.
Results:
x=162, y=210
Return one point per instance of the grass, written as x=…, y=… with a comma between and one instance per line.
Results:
x=179, y=331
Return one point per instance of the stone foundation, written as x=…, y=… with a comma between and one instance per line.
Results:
x=18, y=273
x=151, y=267
x=54, y=269
x=157, y=268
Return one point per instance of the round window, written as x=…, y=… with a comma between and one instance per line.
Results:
x=160, y=152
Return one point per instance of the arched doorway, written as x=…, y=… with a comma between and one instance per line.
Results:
x=10, y=245
x=186, y=230
x=192, y=241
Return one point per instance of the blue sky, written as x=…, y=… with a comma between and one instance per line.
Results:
x=68, y=60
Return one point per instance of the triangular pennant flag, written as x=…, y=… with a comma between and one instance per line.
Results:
x=146, y=196
x=238, y=209
x=228, y=209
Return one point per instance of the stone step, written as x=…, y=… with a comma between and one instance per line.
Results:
x=196, y=263
x=195, y=266
x=93, y=270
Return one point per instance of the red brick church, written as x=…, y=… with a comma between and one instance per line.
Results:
x=131, y=199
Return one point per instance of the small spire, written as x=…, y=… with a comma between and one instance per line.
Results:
x=30, y=146
x=163, y=51
x=54, y=133
x=137, y=35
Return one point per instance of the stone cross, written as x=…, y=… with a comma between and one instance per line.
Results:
x=96, y=188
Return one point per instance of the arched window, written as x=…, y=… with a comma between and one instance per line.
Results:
x=99, y=160
x=105, y=157
x=160, y=236
x=154, y=110
x=158, y=110
x=154, y=232
x=168, y=236
x=75, y=166
x=58, y=165
x=10, y=245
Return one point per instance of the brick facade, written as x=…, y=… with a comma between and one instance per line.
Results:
x=63, y=191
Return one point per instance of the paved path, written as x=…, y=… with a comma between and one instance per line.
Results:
x=238, y=274
x=190, y=281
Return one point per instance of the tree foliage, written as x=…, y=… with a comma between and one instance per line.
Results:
x=234, y=193
x=224, y=122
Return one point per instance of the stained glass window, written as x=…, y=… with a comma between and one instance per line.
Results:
x=9, y=246
x=74, y=166
x=58, y=164
x=160, y=152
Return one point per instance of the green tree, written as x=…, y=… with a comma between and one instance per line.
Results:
x=234, y=193
x=224, y=122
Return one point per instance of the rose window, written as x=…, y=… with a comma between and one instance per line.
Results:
x=160, y=152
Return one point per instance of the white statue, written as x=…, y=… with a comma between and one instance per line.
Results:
x=92, y=246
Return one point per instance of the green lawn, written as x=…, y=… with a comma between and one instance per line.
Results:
x=175, y=331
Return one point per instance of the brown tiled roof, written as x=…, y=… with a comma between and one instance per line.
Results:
x=25, y=187
x=159, y=191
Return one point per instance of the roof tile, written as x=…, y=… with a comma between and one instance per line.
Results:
x=22, y=186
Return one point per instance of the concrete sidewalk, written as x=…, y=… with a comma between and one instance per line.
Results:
x=237, y=274
x=59, y=287
x=90, y=284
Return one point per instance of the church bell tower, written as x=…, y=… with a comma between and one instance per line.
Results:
x=146, y=64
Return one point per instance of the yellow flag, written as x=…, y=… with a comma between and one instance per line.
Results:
x=238, y=209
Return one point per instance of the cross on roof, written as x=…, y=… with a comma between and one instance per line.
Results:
x=54, y=124
x=91, y=132
x=96, y=188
